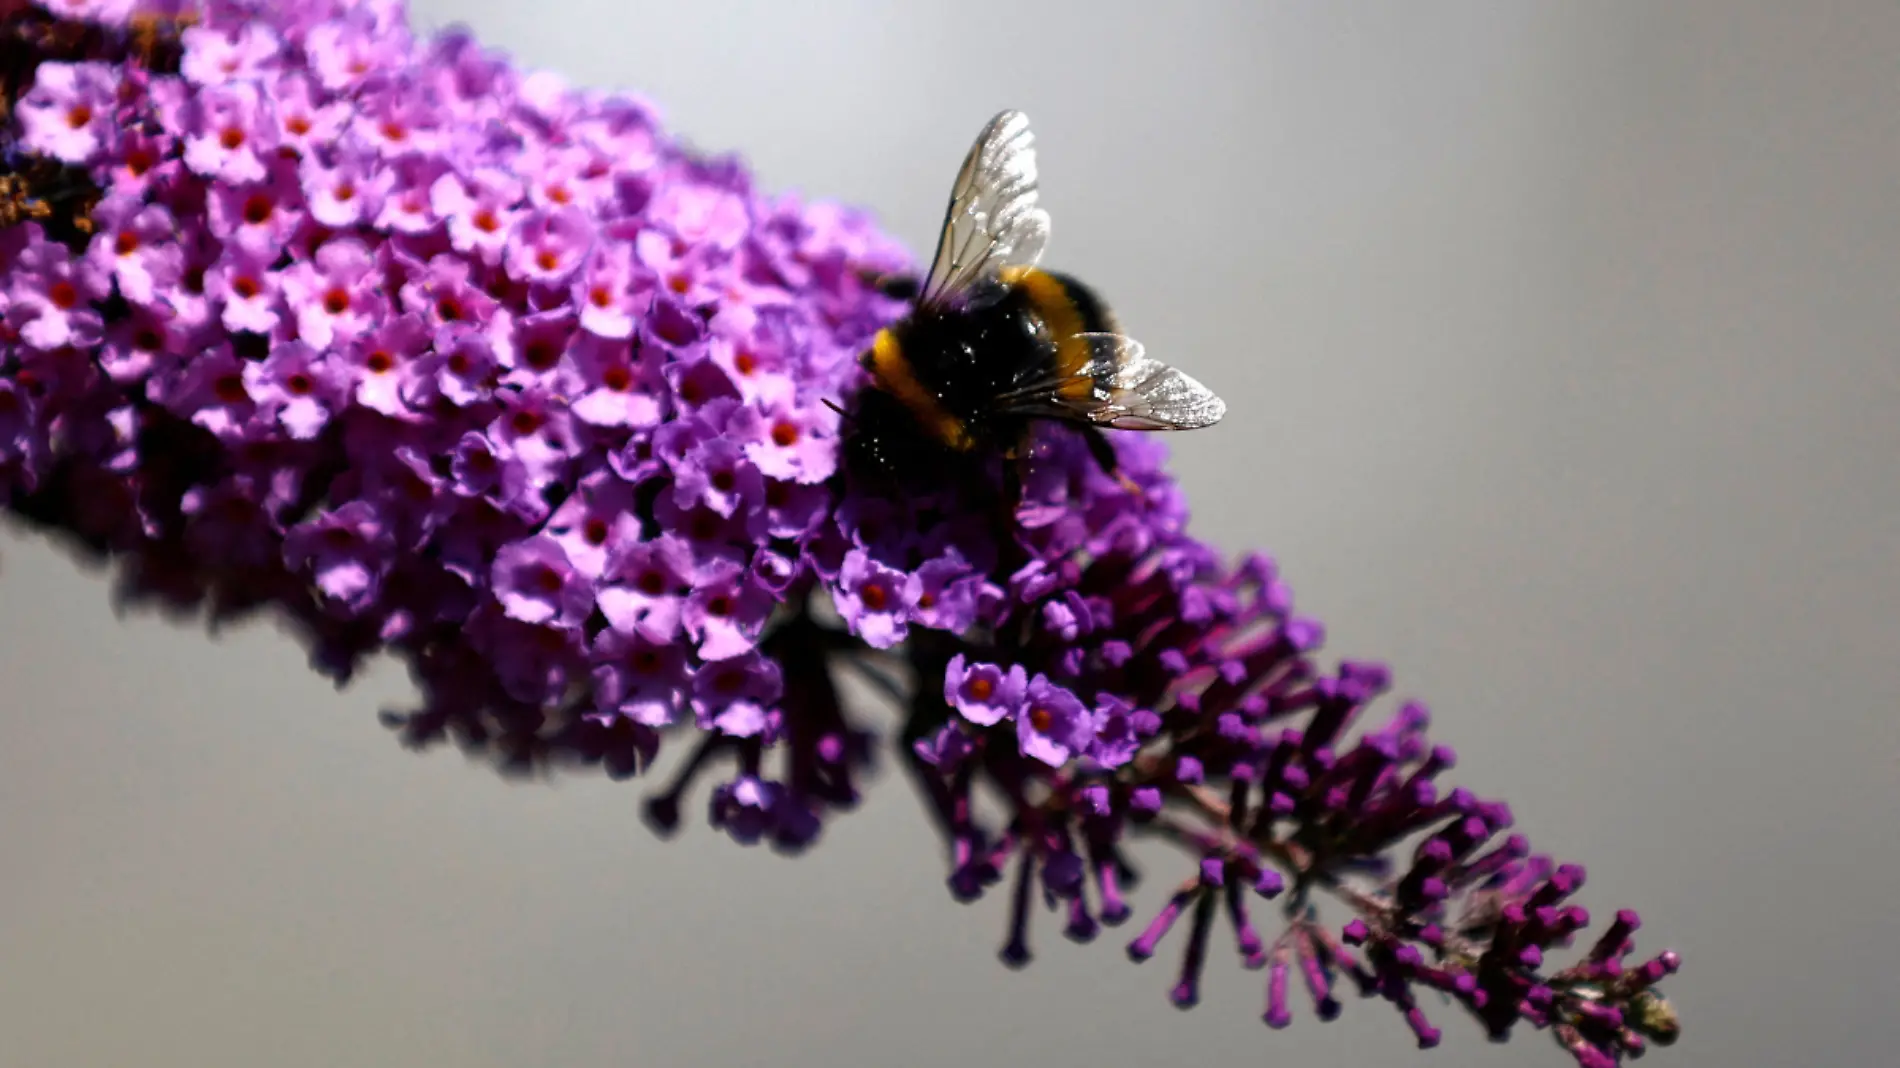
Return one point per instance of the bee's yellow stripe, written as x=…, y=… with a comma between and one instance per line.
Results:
x=1051, y=300
x=893, y=373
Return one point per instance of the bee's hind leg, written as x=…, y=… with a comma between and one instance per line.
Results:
x=1104, y=452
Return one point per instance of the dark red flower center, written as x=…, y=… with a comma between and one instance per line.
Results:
x=344, y=192
x=380, y=362
x=63, y=294
x=980, y=689
x=125, y=243
x=546, y=259
x=594, y=530
x=449, y=308
x=1041, y=719
x=336, y=300
x=784, y=434
x=744, y=363
x=486, y=222
x=542, y=355
x=230, y=388
x=245, y=286
x=724, y=481
x=720, y=606
x=232, y=138
x=547, y=580
x=298, y=124
x=652, y=583
x=299, y=384
x=874, y=597
x=79, y=115
x=257, y=209
x=525, y=421
x=618, y=379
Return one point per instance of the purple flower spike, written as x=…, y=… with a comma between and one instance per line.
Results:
x=449, y=359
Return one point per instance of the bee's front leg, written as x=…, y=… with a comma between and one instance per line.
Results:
x=901, y=286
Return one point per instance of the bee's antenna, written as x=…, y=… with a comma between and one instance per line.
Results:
x=842, y=414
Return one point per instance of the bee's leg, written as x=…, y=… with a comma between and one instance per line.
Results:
x=894, y=286
x=1104, y=452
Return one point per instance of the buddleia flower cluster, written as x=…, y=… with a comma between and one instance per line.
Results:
x=302, y=312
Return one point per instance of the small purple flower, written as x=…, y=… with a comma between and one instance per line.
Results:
x=406, y=208
x=346, y=194
x=638, y=678
x=644, y=586
x=344, y=53
x=260, y=216
x=947, y=594
x=345, y=552
x=796, y=444
x=702, y=215
x=443, y=292
x=735, y=696
x=67, y=114
x=457, y=370
x=621, y=390
x=725, y=611
x=144, y=341
x=788, y=510
x=385, y=359
x=548, y=247
x=1052, y=725
x=875, y=600
x=229, y=137
x=595, y=522
x=228, y=54
x=535, y=583
x=133, y=243
x=50, y=295
x=1117, y=737
x=480, y=468
x=746, y=808
x=298, y=387
x=984, y=693
x=337, y=295
x=210, y=391
x=715, y=473
x=539, y=429
x=604, y=291
x=246, y=290
x=307, y=122
x=481, y=210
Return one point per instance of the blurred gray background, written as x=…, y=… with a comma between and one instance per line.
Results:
x=1560, y=342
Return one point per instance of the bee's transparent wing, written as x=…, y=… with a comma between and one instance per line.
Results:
x=1119, y=386
x=993, y=220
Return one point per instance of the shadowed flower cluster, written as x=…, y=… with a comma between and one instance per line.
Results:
x=437, y=357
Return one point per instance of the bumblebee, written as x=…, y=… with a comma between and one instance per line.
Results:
x=992, y=343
